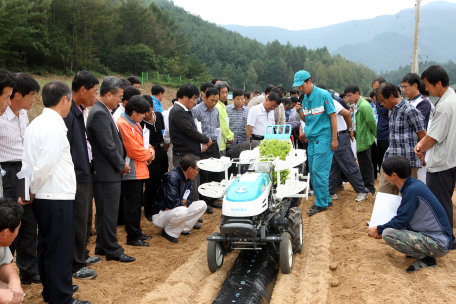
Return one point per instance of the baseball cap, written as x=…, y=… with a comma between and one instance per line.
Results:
x=300, y=77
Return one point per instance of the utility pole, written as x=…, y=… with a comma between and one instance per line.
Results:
x=417, y=34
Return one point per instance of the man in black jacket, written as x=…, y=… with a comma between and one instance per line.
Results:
x=174, y=209
x=108, y=166
x=84, y=87
x=185, y=137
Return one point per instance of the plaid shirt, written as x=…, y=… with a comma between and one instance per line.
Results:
x=209, y=120
x=238, y=122
x=404, y=122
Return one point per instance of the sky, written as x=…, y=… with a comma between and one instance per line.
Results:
x=293, y=14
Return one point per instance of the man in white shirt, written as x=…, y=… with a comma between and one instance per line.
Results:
x=261, y=116
x=12, y=134
x=47, y=158
x=167, y=138
x=129, y=92
x=343, y=158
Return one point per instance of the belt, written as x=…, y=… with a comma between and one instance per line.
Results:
x=341, y=132
x=257, y=137
x=159, y=145
x=11, y=163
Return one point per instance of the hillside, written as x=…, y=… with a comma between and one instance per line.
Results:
x=388, y=37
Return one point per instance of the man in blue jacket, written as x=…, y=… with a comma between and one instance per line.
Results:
x=174, y=209
x=421, y=228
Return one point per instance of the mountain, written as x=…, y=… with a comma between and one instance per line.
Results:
x=381, y=43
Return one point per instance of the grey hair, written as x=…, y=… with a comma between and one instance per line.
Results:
x=53, y=92
x=286, y=101
x=111, y=84
x=222, y=84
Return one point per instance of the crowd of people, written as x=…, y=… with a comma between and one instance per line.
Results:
x=122, y=150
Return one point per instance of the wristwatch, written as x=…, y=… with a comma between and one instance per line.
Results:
x=351, y=129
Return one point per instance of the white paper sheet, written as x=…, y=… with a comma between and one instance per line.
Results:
x=219, y=136
x=25, y=174
x=385, y=208
x=199, y=128
x=146, y=138
x=186, y=194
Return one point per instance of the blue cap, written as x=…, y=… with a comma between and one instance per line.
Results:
x=300, y=77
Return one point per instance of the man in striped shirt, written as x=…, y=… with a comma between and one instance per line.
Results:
x=237, y=114
x=12, y=134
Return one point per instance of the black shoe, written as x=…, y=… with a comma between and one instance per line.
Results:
x=209, y=210
x=138, y=243
x=123, y=258
x=75, y=288
x=149, y=217
x=314, y=210
x=30, y=279
x=422, y=263
x=200, y=220
x=168, y=237
x=145, y=237
x=330, y=205
x=100, y=252
x=197, y=226
x=216, y=206
x=186, y=232
x=81, y=302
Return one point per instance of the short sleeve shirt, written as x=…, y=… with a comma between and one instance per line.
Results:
x=316, y=108
x=259, y=119
x=341, y=124
x=5, y=256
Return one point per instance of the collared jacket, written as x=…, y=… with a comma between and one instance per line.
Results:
x=134, y=144
x=47, y=156
x=171, y=191
x=224, y=125
x=366, y=127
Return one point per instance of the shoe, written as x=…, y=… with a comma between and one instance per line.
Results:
x=334, y=196
x=93, y=231
x=100, y=252
x=367, y=223
x=361, y=197
x=209, y=210
x=200, y=220
x=330, y=205
x=149, y=218
x=123, y=258
x=186, y=232
x=93, y=260
x=81, y=302
x=75, y=288
x=422, y=263
x=311, y=192
x=216, y=206
x=168, y=237
x=85, y=274
x=145, y=237
x=340, y=188
x=370, y=193
x=138, y=243
x=30, y=279
x=314, y=210
x=197, y=226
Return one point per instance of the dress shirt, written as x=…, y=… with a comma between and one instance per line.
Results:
x=405, y=121
x=12, y=132
x=238, y=122
x=210, y=120
x=166, y=136
x=89, y=147
x=47, y=156
x=259, y=119
x=117, y=113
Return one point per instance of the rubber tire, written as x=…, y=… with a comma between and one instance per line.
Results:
x=295, y=228
x=212, y=254
x=284, y=257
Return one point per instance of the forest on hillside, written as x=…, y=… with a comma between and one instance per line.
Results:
x=134, y=36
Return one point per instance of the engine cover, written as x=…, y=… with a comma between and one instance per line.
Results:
x=247, y=195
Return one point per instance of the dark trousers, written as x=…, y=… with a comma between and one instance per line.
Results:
x=25, y=243
x=195, y=181
x=56, y=227
x=132, y=192
x=120, y=212
x=207, y=176
x=157, y=168
x=107, y=206
x=367, y=169
x=344, y=161
x=374, y=158
x=382, y=146
x=83, y=202
x=89, y=225
x=442, y=185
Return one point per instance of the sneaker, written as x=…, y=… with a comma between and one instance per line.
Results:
x=93, y=260
x=330, y=205
x=361, y=197
x=311, y=192
x=314, y=210
x=340, y=188
x=85, y=274
x=334, y=196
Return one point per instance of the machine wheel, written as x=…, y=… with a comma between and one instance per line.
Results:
x=295, y=228
x=214, y=254
x=286, y=254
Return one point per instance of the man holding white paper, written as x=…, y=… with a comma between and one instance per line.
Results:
x=174, y=209
x=421, y=228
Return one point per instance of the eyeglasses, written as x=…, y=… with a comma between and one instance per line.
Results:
x=197, y=169
x=404, y=87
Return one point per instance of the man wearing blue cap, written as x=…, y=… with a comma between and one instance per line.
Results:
x=318, y=112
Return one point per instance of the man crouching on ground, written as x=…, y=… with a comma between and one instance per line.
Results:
x=174, y=209
x=421, y=228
